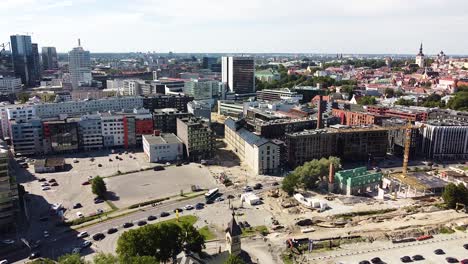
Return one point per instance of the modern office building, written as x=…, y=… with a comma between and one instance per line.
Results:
x=200, y=109
x=163, y=147
x=74, y=108
x=444, y=140
x=278, y=95
x=197, y=138
x=202, y=89
x=49, y=58
x=36, y=62
x=239, y=74
x=10, y=85
x=261, y=155
x=26, y=137
x=165, y=120
x=231, y=108
x=79, y=66
x=112, y=129
x=9, y=205
x=210, y=63
x=23, y=59
x=60, y=136
x=167, y=101
x=90, y=132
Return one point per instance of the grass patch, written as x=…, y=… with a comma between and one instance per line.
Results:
x=460, y=228
x=365, y=213
x=111, y=205
x=250, y=231
x=442, y=206
x=133, y=206
x=189, y=196
x=189, y=219
x=206, y=233
x=287, y=258
x=85, y=219
x=446, y=230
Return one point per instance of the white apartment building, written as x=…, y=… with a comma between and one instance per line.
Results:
x=163, y=148
x=10, y=84
x=87, y=106
x=90, y=132
x=112, y=129
x=261, y=155
x=444, y=140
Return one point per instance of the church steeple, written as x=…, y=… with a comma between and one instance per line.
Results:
x=420, y=60
x=421, y=50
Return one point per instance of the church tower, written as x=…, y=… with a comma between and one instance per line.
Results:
x=233, y=237
x=420, y=57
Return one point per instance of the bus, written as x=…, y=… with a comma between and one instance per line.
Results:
x=211, y=194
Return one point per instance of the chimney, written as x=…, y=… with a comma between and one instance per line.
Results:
x=79, y=43
x=319, y=114
x=331, y=175
x=156, y=132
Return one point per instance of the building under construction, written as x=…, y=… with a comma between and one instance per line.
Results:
x=350, y=144
x=356, y=181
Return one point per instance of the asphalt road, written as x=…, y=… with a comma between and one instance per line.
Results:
x=62, y=243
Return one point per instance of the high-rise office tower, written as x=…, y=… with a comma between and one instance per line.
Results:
x=36, y=61
x=23, y=59
x=239, y=74
x=49, y=58
x=79, y=66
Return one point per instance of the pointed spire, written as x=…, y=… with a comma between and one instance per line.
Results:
x=421, y=48
x=79, y=43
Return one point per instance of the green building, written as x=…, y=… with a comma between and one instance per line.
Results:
x=357, y=181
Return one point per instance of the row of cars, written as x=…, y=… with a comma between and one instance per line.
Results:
x=407, y=259
x=47, y=184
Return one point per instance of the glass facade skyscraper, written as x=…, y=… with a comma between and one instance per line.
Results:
x=49, y=58
x=23, y=59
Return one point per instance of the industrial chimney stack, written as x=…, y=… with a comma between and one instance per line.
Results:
x=331, y=178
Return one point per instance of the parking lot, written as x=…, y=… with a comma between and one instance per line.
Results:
x=452, y=245
x=149, y=185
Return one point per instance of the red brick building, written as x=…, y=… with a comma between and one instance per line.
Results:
x=350, y=118
x=409, y=114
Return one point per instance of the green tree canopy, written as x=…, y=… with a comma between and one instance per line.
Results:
x=404, y=102
x=98, y=186
x=233, y=259
x=72, y=259
x=454, y=194
x=102, y=258
x=389, y=92
x=367, y=100
x=162, y=242
x=309, y=174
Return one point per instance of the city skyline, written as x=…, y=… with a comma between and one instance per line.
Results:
x=336, y=26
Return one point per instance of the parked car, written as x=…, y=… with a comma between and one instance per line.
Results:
x=42, y=179
x=376, y=260
x=151, y=218
x=76, y=251
x=405, y=259
x=364, y=262
x=54, y=184
x=180, y=210
x=188, y=207
x=219, y=199
x=158, y=168
x=258, y=186
x=45, y=184
x=98, y=200
x=52, y=180
x=79, y=214
x=86, y=243
x=46, y=234
x=199, y=206
x=112, y=230
x=99, y=211
x=248, y=189
x=141, y=223
x=99, y=165
x=274, y=183
x=127, y=225
x=82, y=234
x=464, y=261
x=451, y=260
x=77, y=205
x=465, y=246
x=98, y=236
x=8, y=241
x=417, y=257
x=164, y=214
x=4, y=261
x=439, y=252
x=46, y=188
x=85, y=183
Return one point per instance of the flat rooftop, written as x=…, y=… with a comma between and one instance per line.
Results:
x=164, y=138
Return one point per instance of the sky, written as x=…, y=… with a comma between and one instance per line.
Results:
x=258, y=26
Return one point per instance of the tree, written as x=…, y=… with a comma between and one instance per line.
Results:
x=404, y=102
x=367, y=100
x=42, y=261
x=389, y=92
x=309, y=174
x=23, y=97
x=233, y=259
x=102, y=258
x=99, y=186
x=161, y=242
x=454, y=194
x=71, y=259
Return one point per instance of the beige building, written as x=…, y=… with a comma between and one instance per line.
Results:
x=261, y=155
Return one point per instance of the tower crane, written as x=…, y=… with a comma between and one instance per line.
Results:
x=3, y=47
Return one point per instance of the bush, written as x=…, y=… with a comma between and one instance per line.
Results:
x=133, y=206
